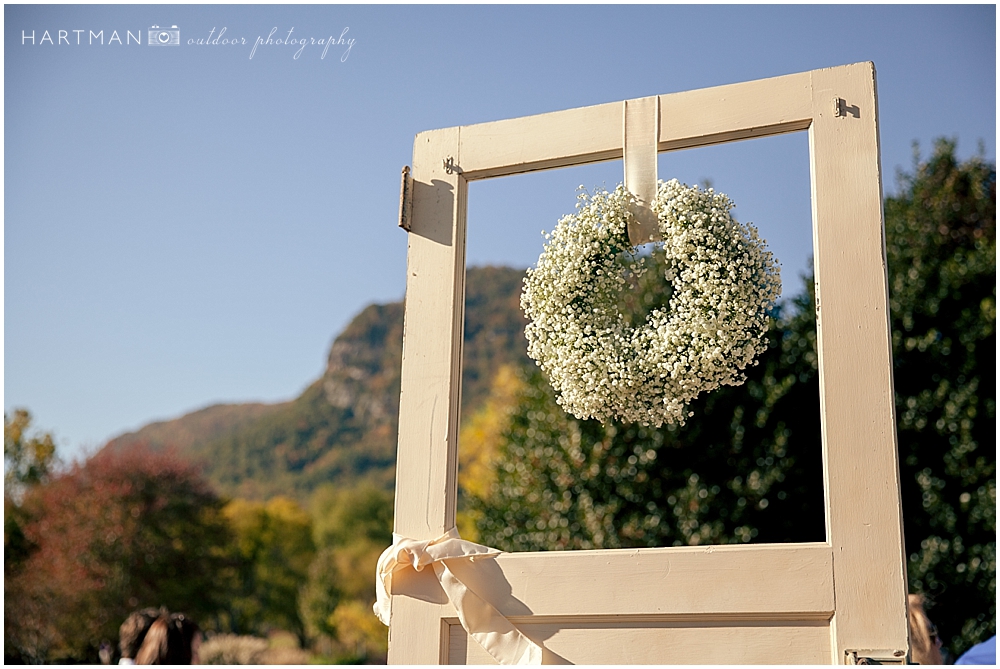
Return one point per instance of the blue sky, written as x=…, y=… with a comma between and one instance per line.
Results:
x=186, y=225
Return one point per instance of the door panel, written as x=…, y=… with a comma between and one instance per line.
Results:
x=664, y=642
x=773, y=604
x=787, y=580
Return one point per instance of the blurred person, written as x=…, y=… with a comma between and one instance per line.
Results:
x=104, y=652
x=925, y=644
x=171, y=639
x=133, y=631
x=981, y=653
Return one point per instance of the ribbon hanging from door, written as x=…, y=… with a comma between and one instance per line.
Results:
x=496, y=634
x=640, y=137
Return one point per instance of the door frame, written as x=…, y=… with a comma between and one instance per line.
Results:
x=856, y=579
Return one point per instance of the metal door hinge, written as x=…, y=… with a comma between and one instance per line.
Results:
x=405, y=198
x=879, y=656
x=841, y=109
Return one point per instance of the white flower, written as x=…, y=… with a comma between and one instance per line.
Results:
x=724, y=282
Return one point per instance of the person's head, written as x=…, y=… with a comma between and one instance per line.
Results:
x=133, y=631
x=171, y=639
x=925, y=644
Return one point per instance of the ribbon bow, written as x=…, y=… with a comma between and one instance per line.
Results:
x=481, y=620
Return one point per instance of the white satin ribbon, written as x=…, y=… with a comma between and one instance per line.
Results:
x=480, y=619
x=640, y=138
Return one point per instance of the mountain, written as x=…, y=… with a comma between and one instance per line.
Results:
x=184, y=433
x=342, y=428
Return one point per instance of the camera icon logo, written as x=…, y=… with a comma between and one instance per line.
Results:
x=164, y=36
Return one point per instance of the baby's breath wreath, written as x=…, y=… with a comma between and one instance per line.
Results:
x=723, y=283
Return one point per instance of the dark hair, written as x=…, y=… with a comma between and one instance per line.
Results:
x=133, y=631
x=170, y=640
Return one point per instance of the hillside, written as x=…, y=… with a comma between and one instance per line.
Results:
x=343, y=427
x=212, y=422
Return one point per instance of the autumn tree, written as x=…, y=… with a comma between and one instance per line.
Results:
x=352, y=526
x=479, y=442
x=272, y=549
x=27, y=458
x=118, y=532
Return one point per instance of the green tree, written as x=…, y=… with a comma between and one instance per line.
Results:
x=343, y=516
x=27, y=459
x=272, y=551
x=479, y=443
x=352, y=526
x=746, y=467
x=941, y=249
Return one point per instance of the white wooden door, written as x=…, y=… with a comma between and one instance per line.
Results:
x=828, y=602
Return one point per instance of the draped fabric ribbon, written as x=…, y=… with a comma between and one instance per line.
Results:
x=640, y=138
x=480, y=619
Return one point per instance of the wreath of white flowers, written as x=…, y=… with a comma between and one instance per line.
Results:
x=724, y=282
